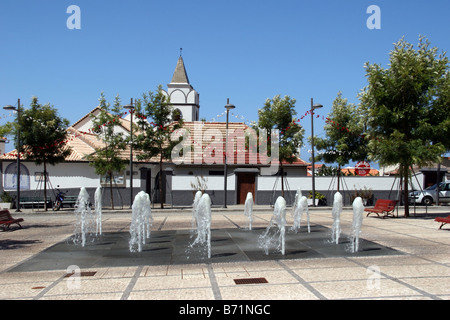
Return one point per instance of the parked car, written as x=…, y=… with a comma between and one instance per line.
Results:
x=429, y=195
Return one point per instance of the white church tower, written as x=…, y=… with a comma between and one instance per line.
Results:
x=182, y=94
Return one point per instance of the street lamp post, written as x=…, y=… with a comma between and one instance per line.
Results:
x=228, y=107
x=131, y=108
x=313, y=107
x=9, y=107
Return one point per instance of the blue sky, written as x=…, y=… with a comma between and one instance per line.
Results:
x=246, y=50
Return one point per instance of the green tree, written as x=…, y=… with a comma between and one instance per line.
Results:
x=43, y=135
x=407, y=108
x=108, y=160
x=7, y=130
x=156, y=126
x=344, y=140
x=279, y=113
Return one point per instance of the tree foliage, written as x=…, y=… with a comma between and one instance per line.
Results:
x=107, y=160
x=156, y=126
x=345, y=140
x=279, y=113
x=344, y=132
x=407, y=108
x=43, y=136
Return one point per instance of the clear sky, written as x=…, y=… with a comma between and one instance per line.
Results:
x=246, y=50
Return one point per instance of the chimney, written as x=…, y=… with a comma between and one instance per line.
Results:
x=2, y=145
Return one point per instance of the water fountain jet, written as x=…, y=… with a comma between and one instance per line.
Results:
x=336, y=213
x=203, y=219
x=98, y=210
x=249, y=209
x=275, y=232
x=358, y=210
x=141, y=221
x=300, y=207
x=84, y=217
x=197, y=197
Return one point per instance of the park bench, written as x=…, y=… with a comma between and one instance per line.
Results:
x=6, y=220
x=382, y=206
x=33, y=201
x=442, y=220
x=70, y=200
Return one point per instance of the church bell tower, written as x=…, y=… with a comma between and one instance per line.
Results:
x=182, y=94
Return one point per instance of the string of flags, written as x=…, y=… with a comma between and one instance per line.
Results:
x=160, y=127
x=7, y=115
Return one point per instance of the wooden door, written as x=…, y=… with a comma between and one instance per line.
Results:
x=245, y=184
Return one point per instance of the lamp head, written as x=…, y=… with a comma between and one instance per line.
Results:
x=129, y=106
x=317, y=106
x=9, y=107
x=229, y=106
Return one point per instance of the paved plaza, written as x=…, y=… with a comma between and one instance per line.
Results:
x=399, y=258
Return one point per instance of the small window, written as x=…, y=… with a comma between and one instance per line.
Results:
x=216, y=173
x=118, y=179
x=10, y=177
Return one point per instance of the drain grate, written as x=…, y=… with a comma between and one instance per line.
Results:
x=82, y=274
x=250, y=281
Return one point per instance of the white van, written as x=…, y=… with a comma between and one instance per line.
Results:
x=429, y=195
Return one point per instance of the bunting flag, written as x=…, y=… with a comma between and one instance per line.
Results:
x=165, y=128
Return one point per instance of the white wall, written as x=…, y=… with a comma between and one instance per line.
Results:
x=69, y=175
x=183, y=182
x=266, y=183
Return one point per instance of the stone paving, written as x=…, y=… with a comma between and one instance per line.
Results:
x=414, y=265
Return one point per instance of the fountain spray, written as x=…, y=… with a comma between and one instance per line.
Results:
x=249, y=209
x=275, y=232
x=336, y=213
x=203, y=218
x=358, y=210
x=141, y=221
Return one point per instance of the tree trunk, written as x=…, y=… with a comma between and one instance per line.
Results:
x=111, y=190
x=338, y=177
x=160, y=181
x=45, y=186
x=405, y=190
x=282, y=180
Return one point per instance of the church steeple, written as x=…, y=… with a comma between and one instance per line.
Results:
x=180, y=75
x=182, y=95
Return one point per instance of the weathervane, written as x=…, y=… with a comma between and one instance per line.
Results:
x=181, y=51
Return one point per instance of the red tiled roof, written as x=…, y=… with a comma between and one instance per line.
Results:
x=85, y=143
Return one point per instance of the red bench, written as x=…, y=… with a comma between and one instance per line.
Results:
x=442, y=220
x=6, y=220
x=385, y=207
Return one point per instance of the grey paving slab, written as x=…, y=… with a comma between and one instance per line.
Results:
x=173, y=247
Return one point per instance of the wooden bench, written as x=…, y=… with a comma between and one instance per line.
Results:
x=442, y=220
x=6, y=220
x=382, y=206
